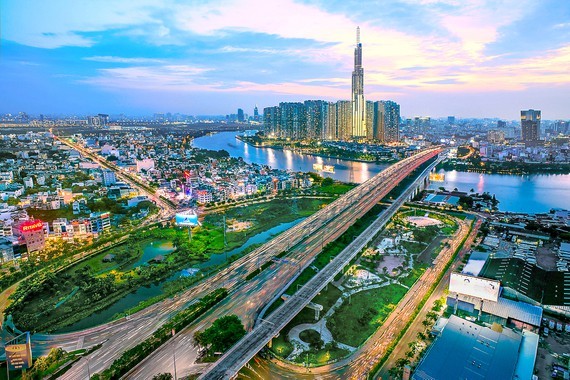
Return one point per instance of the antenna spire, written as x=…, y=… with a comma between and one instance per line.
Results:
x=357, y=35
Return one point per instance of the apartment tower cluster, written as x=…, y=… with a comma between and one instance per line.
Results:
x=355, y=119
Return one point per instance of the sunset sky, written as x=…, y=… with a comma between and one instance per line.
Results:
x=436, y=58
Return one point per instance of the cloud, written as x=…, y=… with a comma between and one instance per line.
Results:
x=58, y=23
x=113, y=59
x=158, y=78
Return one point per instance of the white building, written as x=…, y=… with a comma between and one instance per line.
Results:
x=145, y=164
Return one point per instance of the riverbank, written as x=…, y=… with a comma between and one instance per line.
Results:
x=251, y=142
x=503, y=167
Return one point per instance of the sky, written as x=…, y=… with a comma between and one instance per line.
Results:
x=468, y=58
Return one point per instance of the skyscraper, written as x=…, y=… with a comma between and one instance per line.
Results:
x=530, y=123
x=386, y=121
x=272, y=121
x=314, y=118
x=255, y=113
x=293, y=121
x=240, y=115
x=358, y=104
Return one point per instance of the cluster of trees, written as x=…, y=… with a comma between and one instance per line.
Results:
x=221, y=336
x=44, y=365
x=204, y=155
x=313, y=338
x=418, y=348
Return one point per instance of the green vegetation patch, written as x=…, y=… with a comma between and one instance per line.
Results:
x=221, y=336
x=357, y=319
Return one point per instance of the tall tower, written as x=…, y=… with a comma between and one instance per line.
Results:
x=530, y=123
x=358, y=104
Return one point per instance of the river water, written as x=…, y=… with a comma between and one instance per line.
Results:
x=345, y=171
x=516, y=193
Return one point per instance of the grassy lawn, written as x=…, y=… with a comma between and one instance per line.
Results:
x=413, y=247
x=322, y=356
x=337, y=188
x=352, y=323
x=413, y=275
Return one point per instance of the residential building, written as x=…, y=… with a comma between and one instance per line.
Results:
x=530, y=124
x=109, y=178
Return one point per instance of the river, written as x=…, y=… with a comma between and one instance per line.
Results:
x=345, y=171
x=534, y=193
x=516, y=193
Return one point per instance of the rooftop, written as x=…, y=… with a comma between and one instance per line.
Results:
x=468, y=351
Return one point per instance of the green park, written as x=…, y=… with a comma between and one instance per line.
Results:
x=360, y=298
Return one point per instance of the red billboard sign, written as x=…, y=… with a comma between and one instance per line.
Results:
x=32, y=226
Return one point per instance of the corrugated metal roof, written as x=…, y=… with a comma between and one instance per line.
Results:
x=468, y=351
x=505, y=308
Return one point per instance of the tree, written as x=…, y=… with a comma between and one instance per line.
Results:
x=327, y=182
x=162, y=376
x=223, y=334
x=13, y=201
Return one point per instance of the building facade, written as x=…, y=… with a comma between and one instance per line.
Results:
x=530, y=127
x=358, y=103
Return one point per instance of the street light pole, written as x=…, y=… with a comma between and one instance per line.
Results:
x=174, y=353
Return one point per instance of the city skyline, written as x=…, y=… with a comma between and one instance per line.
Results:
x=433, y=58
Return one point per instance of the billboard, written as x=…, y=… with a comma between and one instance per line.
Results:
x=19, y=352
x=187, y=219
x=32, y=226
x=475, y=286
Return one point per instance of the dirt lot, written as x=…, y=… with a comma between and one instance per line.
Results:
x=550, y=350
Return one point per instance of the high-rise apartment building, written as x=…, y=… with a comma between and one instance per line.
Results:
x=255, y=113
x=314, y=117
x=358, y=104
x=530, y=127
x=369, y=120
x=330, y=132
x=109, y=178
x=272, y=121
x=344, y=122
x=386, y=121
x=293, y=120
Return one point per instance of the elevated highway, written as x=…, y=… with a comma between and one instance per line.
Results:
x=302, y=242
x=230, y=363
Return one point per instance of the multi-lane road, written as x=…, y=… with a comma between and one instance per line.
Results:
x=229, y=364
x=361, y=362
x=246, y=298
